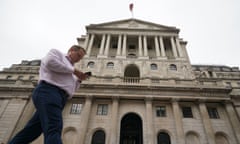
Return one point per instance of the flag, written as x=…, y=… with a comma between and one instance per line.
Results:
x=131, y=6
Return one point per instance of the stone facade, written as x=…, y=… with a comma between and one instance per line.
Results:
x=144, y=90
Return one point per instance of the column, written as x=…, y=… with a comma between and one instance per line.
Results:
x=179, y=48
x=107, y=45
x=149, y=121
x=145, y=46
x=84, y=119
x=157, y=46
x=90, y=44
x=163, y=54
x=124, y=45
x=119, y=45
x=140, y=46
x=178, y=122
x=207, y=123
x=86, y=42
x=174, y=47
x=114, y=124
x=233, y=120
x=102, y=45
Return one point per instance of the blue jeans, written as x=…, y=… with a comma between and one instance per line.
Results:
x=49, y=101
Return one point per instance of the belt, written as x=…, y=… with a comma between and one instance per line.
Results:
x=63, y=92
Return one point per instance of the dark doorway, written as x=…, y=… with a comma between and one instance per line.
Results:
x=131, y=129
x=163, y=138
x=98, y=137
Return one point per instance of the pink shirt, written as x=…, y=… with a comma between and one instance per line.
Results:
x=56, y=69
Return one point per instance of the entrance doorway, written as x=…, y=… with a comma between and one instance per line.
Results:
x=131, y=129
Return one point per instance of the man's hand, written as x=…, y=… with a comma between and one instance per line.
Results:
x=80, y=75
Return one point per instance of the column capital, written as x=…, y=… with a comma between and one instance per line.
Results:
x=148, y=99
x=115, y=98
x=89, y=97
x=175, y=99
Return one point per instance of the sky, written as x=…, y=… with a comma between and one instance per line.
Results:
x=30, y=28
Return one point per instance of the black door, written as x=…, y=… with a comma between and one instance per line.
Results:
x=131, y=129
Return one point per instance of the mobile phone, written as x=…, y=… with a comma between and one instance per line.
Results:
x=88, y=73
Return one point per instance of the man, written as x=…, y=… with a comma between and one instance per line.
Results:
x=58, y=80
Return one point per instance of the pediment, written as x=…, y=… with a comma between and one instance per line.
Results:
x=133, y=24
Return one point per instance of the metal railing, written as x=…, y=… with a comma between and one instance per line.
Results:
x=131, y=79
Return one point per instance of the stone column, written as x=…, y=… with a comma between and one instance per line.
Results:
x=145, y=46
x=163, y=54
x=86, y=42
x=207, y=123
x=119, y=45
x=85, y=115
x=124, y=45
x=157, y=46
x=102, y=45
x=149, y=121
x=174, y=47
x=113, y=134
x=107, y=45
x=179, y=49
x=178, y=121
x=140, y=46
x=90, y=45
x=233, y=120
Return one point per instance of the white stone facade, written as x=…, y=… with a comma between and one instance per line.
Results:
x=144, y=90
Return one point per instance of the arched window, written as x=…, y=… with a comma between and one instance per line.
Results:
x=110, y=65
x=192, y=138
x=90, y=65
x=221, y=138
x=70, y=135
x=154, y=66
x=173, y=67
x=98, y=137
x=132, y=74
x=163, y=138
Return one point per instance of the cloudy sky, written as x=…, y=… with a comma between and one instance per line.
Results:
x=29, y=28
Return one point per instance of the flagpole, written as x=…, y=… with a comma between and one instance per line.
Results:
x=131, y=8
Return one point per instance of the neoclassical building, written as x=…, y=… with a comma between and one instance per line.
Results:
x=144, y=90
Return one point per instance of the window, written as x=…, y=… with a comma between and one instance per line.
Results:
x=90, y=65
x=102, y=109
x=173, y=67
x=31, y=77
x=228, y=85
x=213, y=113
x=161, y=111
x=210, y=73
x=238, y=83
x=154, y=67
x=76, y=109
x=187, y=112
x=110, y=65
x=9, y=77
x=20, y=77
